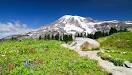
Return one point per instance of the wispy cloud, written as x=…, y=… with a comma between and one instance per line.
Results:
x=11, y=28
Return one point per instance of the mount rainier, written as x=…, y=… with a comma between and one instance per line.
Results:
x=69, y=24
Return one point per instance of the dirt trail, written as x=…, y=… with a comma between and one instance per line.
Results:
x=108, y=66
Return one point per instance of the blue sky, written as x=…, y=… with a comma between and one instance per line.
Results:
x=35, y=13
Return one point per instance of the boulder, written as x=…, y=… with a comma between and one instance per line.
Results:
x=82, y=43
x=86, y=43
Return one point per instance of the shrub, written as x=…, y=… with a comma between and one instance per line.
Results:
x=117, y=62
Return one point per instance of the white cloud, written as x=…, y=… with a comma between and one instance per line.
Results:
x=11, y=28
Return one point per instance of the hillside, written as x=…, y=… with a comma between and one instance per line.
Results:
x=118, y=47
x=43, y=57
x=118, y=40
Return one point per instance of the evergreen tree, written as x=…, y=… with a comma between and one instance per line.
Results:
x=45, y=37
x=65, y=38
x=70, y=38
x=98, y=34
x=91, y=36
x=13, y=38
x=81, y=35
x=85, y=34
x=40, y=37
x=53, y=37
x=57, y=37
x=48, y=37
x=123, y=30
x=78, y=35
x=112, y=30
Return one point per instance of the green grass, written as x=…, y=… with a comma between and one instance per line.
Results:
x=118, y=47
x=41, y=57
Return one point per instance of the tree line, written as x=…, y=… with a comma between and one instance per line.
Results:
x=70, y=37
x=99, y=34
x=60, y=37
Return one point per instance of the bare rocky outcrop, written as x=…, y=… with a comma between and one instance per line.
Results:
x=89, y=44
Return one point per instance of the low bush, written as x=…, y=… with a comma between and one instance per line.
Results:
x=117, y=62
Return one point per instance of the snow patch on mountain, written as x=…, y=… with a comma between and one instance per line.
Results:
x=72, y=24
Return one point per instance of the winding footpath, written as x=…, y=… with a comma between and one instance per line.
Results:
x=108, y=66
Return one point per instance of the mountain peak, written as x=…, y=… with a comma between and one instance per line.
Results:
x=71, y=16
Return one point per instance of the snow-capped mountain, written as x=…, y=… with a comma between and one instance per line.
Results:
x=69, y=24
x=72, y=24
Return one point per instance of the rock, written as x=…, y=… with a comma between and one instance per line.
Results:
x=85, y=43
x=127, y=64
x=27, y=63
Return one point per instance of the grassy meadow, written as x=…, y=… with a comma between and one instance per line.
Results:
x=118, y=47
x=43, y=57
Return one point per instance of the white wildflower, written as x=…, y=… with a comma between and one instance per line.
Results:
x=102, y=51
x=124, y=52
x=108, y=51
x=2, y=55
x=109, y=55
